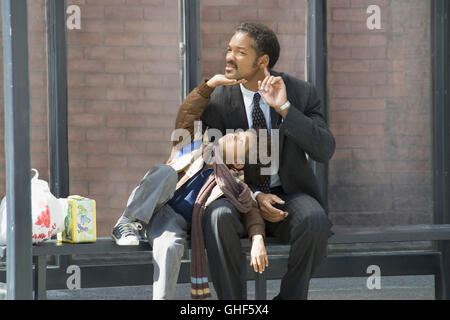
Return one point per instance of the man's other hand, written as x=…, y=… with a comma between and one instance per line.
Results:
x=268, y=211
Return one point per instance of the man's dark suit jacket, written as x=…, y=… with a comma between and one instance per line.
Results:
x=304, y=129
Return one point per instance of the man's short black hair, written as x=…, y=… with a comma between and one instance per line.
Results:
x=266, y=42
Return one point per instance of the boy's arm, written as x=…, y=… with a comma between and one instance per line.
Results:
x=196, y=102
x=254, y=222
x=192, y=108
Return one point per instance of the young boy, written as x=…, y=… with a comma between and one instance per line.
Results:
x=171, y=198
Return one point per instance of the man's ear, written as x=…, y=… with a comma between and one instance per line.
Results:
x=264, y=61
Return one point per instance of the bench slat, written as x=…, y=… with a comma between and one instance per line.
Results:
x=342, y=235
x=390, y=234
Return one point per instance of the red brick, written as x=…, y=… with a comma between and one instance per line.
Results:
x=102, y=26
x=91, y=12
x=342, y=155
x=144, y=135
x=350, y=40
x=350, y=91
x=160, y=13
x=127, y=148
x=80, y=188
x=126, y=121
x=146, y=2
x=366, y=3
x=338, y=3
x=77, y=161
x=106, y=188
x=366, y=129
x=124, y=13
x=350, y=66
x=163, y=40
x=104, y=53
x=209, y=13
x=369, y=79
x=291, y=28
x=123, y=39
x=144, y=108
x=87, y=120
x=144, y=26
x=142, y=53
x=241, y=14
x=105, y=80
x=108, y=161
x=339, y=14
x=124, y=67
x=87, y=147
x=104, y=106
x=348, y=117
x=369, y=53
x=106, y=134
x=351, y=141
x=143, y=162
x=83, y=38
x=126, y=175
x=388, y=91
x=85, y=66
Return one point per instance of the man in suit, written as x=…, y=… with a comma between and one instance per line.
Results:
x=289, y=199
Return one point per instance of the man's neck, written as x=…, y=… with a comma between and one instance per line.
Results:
x=252, y=84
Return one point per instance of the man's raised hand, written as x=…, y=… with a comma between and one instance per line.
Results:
x=273, y=90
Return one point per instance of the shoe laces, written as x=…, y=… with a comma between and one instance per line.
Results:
x=130, y=228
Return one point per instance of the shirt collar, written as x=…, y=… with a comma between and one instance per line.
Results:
x=248, y=96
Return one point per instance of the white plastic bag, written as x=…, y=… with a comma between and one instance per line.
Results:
x=47, y=212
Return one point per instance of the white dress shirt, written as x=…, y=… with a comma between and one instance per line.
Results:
x=248, y=102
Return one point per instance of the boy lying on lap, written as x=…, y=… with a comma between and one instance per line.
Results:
x=171, y=198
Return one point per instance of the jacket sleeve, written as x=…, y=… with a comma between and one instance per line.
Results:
x=192, y=108
x=309, y=129
x=254, y=222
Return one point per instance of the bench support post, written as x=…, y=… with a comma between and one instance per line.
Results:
x=260, y=286
x=40, y=277
x=442, y=280
x=244, y=275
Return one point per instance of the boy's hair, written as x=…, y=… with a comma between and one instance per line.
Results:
x=266, y=41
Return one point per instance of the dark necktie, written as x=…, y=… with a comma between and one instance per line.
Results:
x=259, y=122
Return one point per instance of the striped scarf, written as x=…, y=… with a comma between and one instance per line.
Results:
x=239, y=195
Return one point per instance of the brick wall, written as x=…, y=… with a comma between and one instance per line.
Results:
x=380, y=110
x=286, y=17
x=123, y=96
x=123, y=76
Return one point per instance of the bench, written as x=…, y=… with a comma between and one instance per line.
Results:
x=139, y=271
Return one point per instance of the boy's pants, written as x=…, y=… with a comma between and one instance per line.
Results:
x=165, y=229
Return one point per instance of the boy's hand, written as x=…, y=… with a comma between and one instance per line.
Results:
x=222, y=80
x=258, y=254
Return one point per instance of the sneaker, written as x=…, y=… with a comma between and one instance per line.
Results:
x=126, y=234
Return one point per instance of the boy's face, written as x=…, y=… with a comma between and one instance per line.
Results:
x=235, y=146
